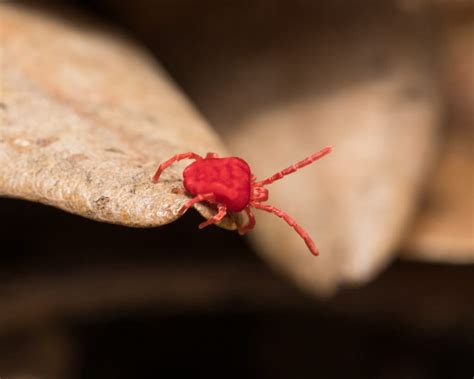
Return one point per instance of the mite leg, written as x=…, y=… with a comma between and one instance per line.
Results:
x=212, y=155
x=296, y=166
x=206, y=197
x=216, y=218
x=170, y=161
x=303, y=234
x=250, y=224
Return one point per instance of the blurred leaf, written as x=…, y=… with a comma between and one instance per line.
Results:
x=444, y=230
x=456, y=61
x=86, y=117
x=361, y=82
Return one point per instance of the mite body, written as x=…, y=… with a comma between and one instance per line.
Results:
x=229, y=183
x=227, y=178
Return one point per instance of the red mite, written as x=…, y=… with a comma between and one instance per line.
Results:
x=229, y=183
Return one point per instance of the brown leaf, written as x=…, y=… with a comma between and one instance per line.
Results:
x=86, y=117
x=444, y=229
x=457, y=59
x=363, y=83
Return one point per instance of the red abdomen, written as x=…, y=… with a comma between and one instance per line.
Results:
x=227, y=178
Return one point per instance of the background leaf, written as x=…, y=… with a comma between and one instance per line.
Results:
x=364, y=83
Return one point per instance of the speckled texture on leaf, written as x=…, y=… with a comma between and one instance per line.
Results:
x=86, y=117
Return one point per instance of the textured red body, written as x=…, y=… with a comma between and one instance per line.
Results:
x=229, y=183
x=227, y=178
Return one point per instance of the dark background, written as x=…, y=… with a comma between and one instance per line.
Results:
x=112, y=302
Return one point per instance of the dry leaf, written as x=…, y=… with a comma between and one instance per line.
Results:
x=86, y=117
x=363, y=84
x=457, y=60
x=444, y=230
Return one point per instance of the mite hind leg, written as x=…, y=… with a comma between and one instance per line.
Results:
x=303, y=233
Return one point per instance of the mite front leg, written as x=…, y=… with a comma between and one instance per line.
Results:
x=303, y=234
x=222, y=211
x=209, y=197
x=170, y=161
x=250, y=224
x=289, y=170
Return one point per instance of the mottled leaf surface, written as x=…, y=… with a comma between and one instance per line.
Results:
x=86, y=117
